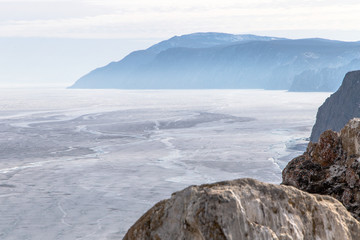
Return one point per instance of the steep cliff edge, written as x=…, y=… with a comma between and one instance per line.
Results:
x=331, y=167
x=340, y=107
x=245, y=209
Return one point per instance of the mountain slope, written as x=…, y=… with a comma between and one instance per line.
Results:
x=213, y=60
x=326, y=79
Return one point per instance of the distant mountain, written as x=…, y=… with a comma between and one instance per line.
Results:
x=206, y=40
x=218, y=60
x=340, y=107
x=325, y=79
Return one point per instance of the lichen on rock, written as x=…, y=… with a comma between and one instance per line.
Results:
x=331, y=166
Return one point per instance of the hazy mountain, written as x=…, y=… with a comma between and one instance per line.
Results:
x=326, y=79
x=217, y=60
x=205, y=40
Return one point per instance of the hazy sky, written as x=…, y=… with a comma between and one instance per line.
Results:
x=140, y=23
x=164, y=18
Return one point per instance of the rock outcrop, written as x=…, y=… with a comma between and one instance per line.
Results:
x=245, y=209
x=340, y=107
x=331, y=166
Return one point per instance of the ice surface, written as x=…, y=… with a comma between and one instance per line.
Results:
x=85, y=164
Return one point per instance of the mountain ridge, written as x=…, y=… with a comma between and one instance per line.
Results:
x=206, y=39
x=216, y=60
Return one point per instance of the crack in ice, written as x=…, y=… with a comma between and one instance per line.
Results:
x=63, y=216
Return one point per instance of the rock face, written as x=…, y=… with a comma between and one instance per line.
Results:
x=245, y=209
x=340, y=107
x=331, y=167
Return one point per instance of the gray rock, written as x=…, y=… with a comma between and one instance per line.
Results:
x=245, y=209
x=340, y=107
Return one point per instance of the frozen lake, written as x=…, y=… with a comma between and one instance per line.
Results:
x=86, y=164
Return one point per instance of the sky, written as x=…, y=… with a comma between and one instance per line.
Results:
x=58, y=41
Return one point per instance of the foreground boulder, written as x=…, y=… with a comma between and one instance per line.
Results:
x=340, y=107
x=245, y=209
x=331, y=166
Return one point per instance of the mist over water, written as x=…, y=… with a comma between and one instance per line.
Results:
x=86, y=164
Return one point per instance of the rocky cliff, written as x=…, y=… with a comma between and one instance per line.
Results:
x=331, y=167
x=340, y=107
x=245, y=209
